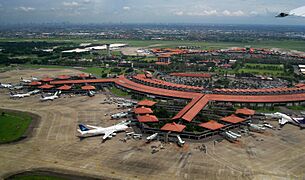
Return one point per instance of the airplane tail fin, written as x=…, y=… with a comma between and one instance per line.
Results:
x=83, y=127
x=11, y=93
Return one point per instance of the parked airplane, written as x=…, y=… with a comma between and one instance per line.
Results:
x=16, y=87
x=91, y=93
x=235, y=134
x=180, y=141
x=119, y=115
x=5, y=85
x=36, y=91
x=108, y=132
x=25, y=80
x=230, y=137
x=51, y=98
x=256, y=127
x=152, y=137
x=284, y=118
x=125, y=105
x=12, y=95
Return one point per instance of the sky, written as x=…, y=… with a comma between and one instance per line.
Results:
x=149, y=11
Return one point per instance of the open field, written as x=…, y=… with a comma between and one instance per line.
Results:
x=263, y=69
x=13, y=126
x=284, y=44
x=276, y=154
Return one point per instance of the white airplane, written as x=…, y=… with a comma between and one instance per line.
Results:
x=256, y=127
x=284, y=118
x=25, y=80
x=234, y=134
x=230, y=137
x=36, y=91
x=119, y=115
x=91, y=93
x=108, y=132
x=12, y=95
x=125, y=105
x=51, y=98
x=152, y=137
x=34, y=78
x=6, y=85
x=16, y=87
x=180, y=141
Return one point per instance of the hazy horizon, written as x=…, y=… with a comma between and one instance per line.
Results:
x=154, y=12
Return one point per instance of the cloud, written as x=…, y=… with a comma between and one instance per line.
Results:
x=203, y=13
x=234, y=13
x=254, y=13
x=126, y=8
x=71, y=4
x=25, y=9
x=178, y=13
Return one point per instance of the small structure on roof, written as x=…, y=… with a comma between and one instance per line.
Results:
x=63, y=77
x=147, y=103
x=211, y=125
x=173, y=127
x=83, y=75
x=142, y=110
x=245, y=111
x=147, y=118
x=35, y=83
x=233, y=119
x=88, y=87
x=46, y=86
x=47, y=79
x=64, y=87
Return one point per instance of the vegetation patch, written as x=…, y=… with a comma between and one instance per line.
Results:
x=13, y=125
x=118, y=92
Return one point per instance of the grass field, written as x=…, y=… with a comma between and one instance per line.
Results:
x=284, y=44
x=263, y=69
x=118, y=92
x=298, y=108
x=13, y=126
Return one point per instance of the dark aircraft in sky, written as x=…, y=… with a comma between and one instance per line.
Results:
x=299, y=12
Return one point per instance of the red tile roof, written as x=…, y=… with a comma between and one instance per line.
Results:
x=142, y=110
x=64, y=87
x=300, y=85
x=147, y=118
x=233, y=119
x=192, y=113
x=35, y=83
x=146, y=103
x=47, y=79
x=212, y=125
x=46, y=86
x=88, y=87
x=84, y=81
x=163, y=63
x=245, y=111
x=63, y=77
x=187, y=108
x=173, y=127
x=83, y=75
x=203, y=75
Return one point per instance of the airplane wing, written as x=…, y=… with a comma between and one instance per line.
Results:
x=283, y=121
x=107, y=134
x=298, y=12
x=94, y=127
